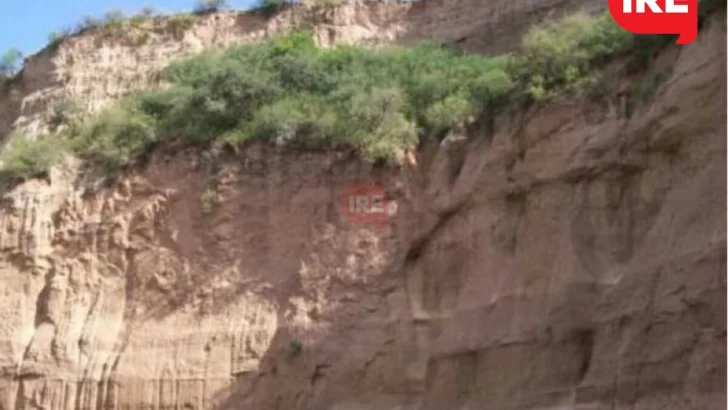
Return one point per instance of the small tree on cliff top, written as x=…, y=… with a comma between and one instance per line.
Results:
x=210, y=6
x=10, y=63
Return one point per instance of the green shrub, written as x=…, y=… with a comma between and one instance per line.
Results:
x=88, y=23
x=14, y=95
x=24, y=158
x=210, y=200
x=116, y=137
x=306, y=120
x=148, y=11
x=563, y=57
x=10, y=63
x=114, y=17
x=209, y=6
x=294, y=348
x=55, y=37
x=62, y=113
x=141, y=38
x=179, y=23
x=137, y=20
x=287, y=90
x=113, y=23
x=271, y=5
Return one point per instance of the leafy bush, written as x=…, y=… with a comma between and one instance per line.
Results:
x=25, y=158
x=141, y=38
x=55, y=37
x=287, y=90
x=563, y=57
x=145, y=14
x=327, y=2
x=62, y=113
x=210, y=200
x=116, y=137
x=113, y=24
x=114, y=17
x=275, y=5
x=88, y=23
x=179, y=23
x=148, y=11
x=270, y=6
x=209, y=6
x=10, y=63
x=294, y=348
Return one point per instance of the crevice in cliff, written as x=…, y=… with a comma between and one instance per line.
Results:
x=451, y=173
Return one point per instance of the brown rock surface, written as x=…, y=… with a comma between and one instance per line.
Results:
x=573, y=260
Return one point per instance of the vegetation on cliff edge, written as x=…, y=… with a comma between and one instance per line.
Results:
x=10, y=64
x=378, y=101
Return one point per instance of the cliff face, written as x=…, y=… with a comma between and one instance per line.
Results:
x=572, y=259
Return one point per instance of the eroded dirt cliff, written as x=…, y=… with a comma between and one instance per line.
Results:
x=573, y=258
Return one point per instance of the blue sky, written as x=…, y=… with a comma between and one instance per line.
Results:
x=26, y=24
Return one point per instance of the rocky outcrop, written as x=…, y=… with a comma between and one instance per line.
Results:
x=573, y=257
